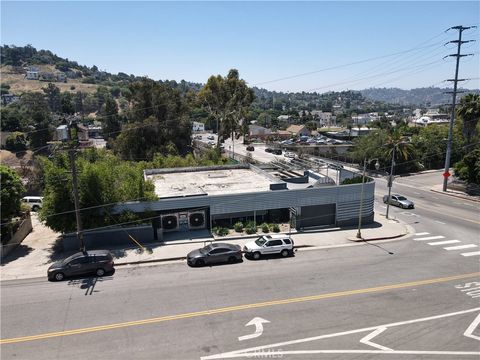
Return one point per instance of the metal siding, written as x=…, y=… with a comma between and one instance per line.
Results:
x=346, y=198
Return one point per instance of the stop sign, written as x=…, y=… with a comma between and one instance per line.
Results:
x=446, y=174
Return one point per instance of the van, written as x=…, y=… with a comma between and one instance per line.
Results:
x=35, y=202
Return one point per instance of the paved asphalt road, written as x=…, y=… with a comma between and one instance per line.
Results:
x=405, y=299
x=334, y=297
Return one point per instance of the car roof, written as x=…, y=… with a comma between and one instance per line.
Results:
x=223, y=245
x=275, y=237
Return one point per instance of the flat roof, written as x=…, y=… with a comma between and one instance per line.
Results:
x=209, y=182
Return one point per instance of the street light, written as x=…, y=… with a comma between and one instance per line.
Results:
x=377, y=166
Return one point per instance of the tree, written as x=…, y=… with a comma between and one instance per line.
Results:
x=11, y=190
x=311, y=125
x=16, y=142
x=53, y=95
x=469, y=112
x=67, y=104
x=103, y=179
x=469, y=168
x=111, y=123
x=227, y=99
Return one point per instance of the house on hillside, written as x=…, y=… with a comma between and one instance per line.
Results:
x=257, y=131
x=32, y=75
x=289, y=119
x=61, y=76
x=198, y=126
x=46, y=76
x=298, y=130
x=9, y=98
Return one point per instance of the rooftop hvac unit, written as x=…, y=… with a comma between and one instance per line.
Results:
x=169, y=222
x=196, y=220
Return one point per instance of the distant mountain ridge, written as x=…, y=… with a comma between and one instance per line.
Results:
x=19, y=57
x=429, y=96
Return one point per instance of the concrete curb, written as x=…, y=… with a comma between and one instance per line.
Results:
x=458, y=196
x=355, y=239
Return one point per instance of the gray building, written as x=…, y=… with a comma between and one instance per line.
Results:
x=200, y=198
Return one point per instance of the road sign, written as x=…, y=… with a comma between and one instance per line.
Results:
x=446, y=174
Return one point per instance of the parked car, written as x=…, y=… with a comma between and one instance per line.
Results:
x=250, y=148
x=269, y=150
x=198, y=137
x=210, y=137
x=289, y=154
x=35, y=202
x=98, y=262
x=277, y=151
x=269, y=244
x=399, y=200
x=214, y=254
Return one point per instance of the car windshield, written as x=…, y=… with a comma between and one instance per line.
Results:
x=401, y=198
x=206, y=249
x=260, y=241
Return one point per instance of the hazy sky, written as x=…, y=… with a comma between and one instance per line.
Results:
x=337, y=45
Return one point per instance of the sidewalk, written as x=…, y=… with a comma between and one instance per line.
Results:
x=36, y=254
x=454, y=193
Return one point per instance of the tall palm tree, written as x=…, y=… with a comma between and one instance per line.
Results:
x=397, y=144
x=469, y=112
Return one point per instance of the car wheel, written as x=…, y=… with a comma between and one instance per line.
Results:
x=199, y=262
x=285, y=253
x=35, y=208
x=59, y=276
x=256, y=255
x=232, y=259
x=100, y=272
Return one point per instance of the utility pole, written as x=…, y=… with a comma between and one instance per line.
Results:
x=455, y=81
x=72, y=141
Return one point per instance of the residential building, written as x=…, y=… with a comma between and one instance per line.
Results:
x=9, y=98
x=32, y=75
x=198, y=126
x=298, y=130
x=286, y=118
x=257, y=131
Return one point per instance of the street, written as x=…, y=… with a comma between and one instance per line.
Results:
x=414, y=298
x=174, y=312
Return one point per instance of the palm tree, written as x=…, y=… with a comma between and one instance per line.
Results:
x=469, y=112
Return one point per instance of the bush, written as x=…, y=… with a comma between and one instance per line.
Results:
x=250, y=230
x=275, y=228
x=220, y=231
x=238, y=226
x=265, y=228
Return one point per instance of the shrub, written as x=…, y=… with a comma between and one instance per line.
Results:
x=220, y=231
x=265, y=227
x=238, y=226
x=250, y=230
x=275, y=228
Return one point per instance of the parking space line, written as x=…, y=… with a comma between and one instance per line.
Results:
x=422, y=233
x=474, y=253
x=429, y=238
x=460, y=247
x=444, y=242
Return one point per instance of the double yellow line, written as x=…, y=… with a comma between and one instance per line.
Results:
x=233, y=308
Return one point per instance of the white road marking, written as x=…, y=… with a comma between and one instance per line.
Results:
x=440, y=222
x=278, y=354
x=258, y=322
x=259, y=349
x=366, y=340
x=429, y=238
x=444, y=242
x=460, y=247
x=474, y=253
x=471, y=329
x=422, y=233
x=416, y=193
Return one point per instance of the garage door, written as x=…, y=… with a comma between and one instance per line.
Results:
x=317, y=215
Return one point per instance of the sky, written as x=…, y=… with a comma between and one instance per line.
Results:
x=278, y=45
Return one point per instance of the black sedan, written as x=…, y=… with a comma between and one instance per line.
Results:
x=215, y=253
x=98, y=262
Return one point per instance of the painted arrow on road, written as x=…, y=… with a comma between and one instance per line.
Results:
x=258, y=322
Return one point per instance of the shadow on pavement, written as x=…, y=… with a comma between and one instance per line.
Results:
x=89, y=283
x=19, y=252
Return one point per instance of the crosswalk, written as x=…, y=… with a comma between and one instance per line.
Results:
x=442, y=241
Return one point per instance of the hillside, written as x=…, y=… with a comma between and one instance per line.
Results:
x=430, y=96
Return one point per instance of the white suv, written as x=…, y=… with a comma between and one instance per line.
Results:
x=35, y=202
x=269, y=244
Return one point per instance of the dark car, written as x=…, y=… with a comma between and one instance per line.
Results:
x=399, y=200
x=269, y=150
x=276, y=151
x=215, y=254
x=96, y=262
x=250, y=148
